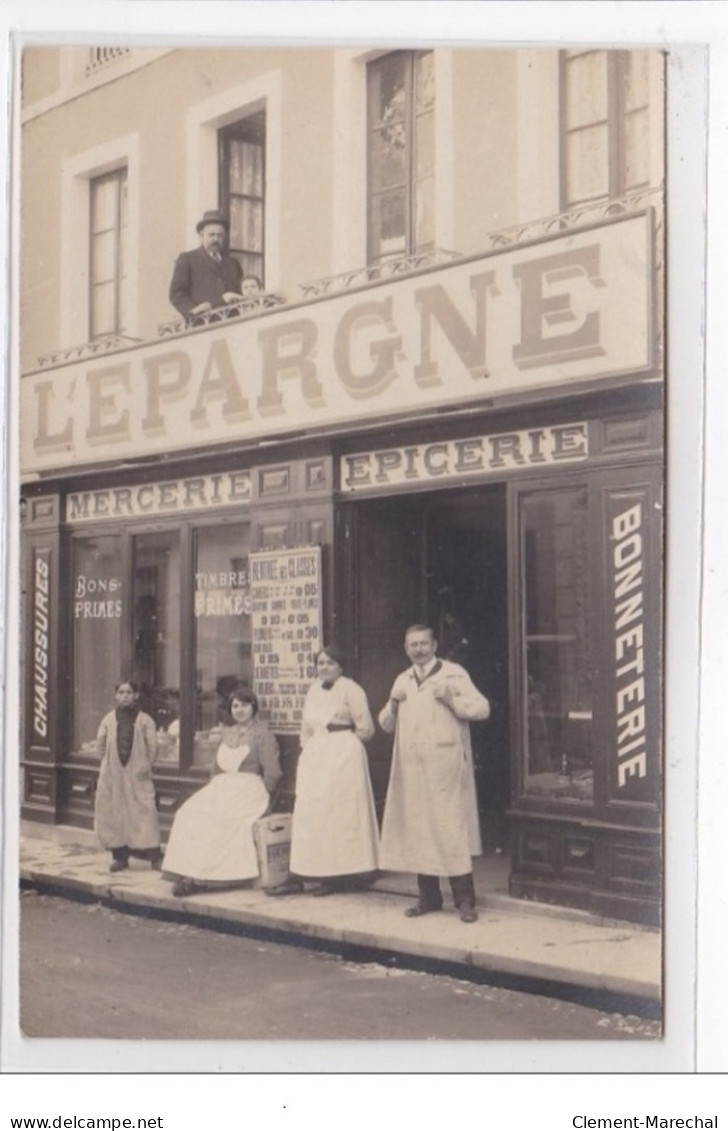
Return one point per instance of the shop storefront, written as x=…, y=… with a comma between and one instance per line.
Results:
x=477, y=446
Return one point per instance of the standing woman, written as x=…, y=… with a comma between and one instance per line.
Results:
x=125, y=816
x=334, y=831
x=211, y=841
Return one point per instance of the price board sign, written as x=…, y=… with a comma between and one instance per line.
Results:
x=285, y=600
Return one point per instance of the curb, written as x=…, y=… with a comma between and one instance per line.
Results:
x=609, y=993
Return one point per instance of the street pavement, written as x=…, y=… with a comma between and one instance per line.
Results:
x=128, y=977
x=551, y=950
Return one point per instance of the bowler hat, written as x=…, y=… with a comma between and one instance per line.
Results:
x=213, y=217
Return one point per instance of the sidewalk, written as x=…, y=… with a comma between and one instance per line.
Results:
x=554, y=950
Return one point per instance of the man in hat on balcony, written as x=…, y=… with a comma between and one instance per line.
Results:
x=207, y=277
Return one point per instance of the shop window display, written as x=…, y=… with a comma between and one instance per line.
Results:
x=557, y=678
x=99, y=606
x=222, y=628
x=155, y=633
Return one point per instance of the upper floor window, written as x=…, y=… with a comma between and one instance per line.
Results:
x=401, y=154
x=605, y=142
x=107, y=260
x=242, y=189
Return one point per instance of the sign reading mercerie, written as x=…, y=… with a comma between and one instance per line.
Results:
x=571, y=309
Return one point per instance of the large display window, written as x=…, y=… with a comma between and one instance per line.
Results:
x=556, y=647
x=170, y=609
x=99, y=606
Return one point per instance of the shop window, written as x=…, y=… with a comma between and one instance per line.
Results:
x=156, y=630
x=107, y=261
x=605, y=142
x=556, y=650
x=99, y=607
x=400, y=154
x=222, y=628
x=242, y=190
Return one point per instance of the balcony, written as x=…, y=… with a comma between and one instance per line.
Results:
x=565, y=303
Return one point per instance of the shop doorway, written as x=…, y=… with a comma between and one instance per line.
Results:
x=440, y=559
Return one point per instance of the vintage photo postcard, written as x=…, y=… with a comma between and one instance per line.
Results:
x=342, y=402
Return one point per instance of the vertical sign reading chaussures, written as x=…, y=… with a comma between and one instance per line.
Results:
x=285, y=596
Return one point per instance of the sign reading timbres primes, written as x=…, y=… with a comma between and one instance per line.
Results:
x=285, y=603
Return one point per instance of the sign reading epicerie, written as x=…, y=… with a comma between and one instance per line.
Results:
x=571, y=309
x=476, y=455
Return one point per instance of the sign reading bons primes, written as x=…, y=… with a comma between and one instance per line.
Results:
x=285, y=595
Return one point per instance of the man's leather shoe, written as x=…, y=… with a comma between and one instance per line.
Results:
x=468, y=914
x=422, y=909
x=118, y=865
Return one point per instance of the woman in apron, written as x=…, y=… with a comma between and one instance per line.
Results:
x=334, y=833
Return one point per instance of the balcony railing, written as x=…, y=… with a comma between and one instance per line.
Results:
x=378, y=272
x=111, y=343
x=573, y=219
x=226, y=313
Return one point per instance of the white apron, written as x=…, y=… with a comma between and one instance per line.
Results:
x=212, y=836
x=334, y=829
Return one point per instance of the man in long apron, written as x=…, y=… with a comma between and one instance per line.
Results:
x=431, y=815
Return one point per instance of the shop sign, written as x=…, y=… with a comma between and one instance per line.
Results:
x=41, y=643
x=195, y=493
x=478, y=456
x=575, y=308
x=222, y=593
x=97, y=598
x=285, y=602
x=631, y=669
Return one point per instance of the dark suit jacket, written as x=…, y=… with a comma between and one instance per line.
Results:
x=199, y=278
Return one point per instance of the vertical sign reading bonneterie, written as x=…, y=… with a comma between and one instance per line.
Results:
x=41, y=644
x=285, y=601
x=634, y=708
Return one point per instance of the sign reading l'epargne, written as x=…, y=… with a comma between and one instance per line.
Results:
x=285, y=603
x=575, y=308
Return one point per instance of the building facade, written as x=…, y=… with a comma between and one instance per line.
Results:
x=447, y=406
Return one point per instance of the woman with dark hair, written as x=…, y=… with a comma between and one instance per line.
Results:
x=334, y=830
x=211, y=841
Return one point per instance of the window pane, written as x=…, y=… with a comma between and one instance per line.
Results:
x=388, y=223
x=223, y=629
x=252, y=183
x=425, y=147
x=155, y=632
x=388, y=157
x=103, y=300
x=98, y=607
x=389, y=89
x=425, y=215
x=636, y=150
x=105, y=209
x=558, y=664
x=587, y=164
x=586, y=89
x=424, y=82
x=103, y=257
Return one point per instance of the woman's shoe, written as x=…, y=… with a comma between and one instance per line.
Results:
x=118, y=865
x=182, y=888
x=291, y=887
x=323, y=889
